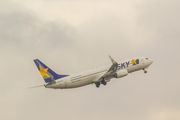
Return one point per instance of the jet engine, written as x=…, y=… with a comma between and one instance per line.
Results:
x=121, y=73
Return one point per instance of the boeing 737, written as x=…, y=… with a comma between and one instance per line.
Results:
x=97, y=76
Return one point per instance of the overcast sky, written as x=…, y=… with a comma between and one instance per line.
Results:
x=71, y=36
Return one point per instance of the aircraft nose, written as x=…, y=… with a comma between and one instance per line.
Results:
x=151, y=61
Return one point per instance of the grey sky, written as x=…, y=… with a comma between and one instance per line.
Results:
x=73, y=36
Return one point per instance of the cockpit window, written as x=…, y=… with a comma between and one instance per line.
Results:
x=146, y=58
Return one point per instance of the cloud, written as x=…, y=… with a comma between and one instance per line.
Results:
x=121, y=29
x=24, y=37
x=22, y=29
x=165, y=114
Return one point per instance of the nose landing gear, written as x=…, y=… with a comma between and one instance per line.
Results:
x=145, y=71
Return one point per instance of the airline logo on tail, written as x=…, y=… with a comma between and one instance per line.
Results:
x=47, y=74
x=44, y=72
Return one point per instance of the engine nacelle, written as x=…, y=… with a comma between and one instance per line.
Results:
x=121, y=73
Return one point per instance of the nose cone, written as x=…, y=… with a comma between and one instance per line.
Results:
x=151, y=61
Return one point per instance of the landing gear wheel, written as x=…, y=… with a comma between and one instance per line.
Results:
x=97, y=84
x=103, y=82
x=145, y=71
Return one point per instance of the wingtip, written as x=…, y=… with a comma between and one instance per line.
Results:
x=112, y=60
x=110, y=57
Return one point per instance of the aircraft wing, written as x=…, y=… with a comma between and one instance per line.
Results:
x=112, y=70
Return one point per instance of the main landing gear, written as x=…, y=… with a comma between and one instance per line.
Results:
x=102, y=82
x=98, y=84
x=145, y=71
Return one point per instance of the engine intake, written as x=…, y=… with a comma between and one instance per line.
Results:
x=121, y=73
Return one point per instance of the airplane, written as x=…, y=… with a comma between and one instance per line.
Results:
x=97, y=76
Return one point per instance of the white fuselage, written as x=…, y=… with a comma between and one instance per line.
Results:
x=93, y=75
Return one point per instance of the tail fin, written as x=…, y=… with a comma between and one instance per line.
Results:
x=47, y=74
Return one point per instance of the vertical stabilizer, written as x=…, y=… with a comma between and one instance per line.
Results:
x=47, y=74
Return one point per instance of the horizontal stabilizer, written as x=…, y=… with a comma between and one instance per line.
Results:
x=36, y=86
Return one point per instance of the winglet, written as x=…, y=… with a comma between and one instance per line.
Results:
x=112, y=60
